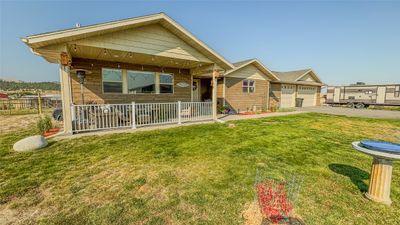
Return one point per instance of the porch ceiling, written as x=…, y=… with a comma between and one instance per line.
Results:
x=87, y=52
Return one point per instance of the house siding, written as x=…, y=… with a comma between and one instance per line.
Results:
x=275, y=96
x=239, y=101
x=93, y=87
x=151, y=40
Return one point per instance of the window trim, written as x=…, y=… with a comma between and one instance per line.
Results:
x=248, y=86
x=102, y=81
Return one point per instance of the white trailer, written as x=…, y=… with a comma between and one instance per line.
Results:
x=360, y=96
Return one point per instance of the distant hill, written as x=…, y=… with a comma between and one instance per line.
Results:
x=6, y=85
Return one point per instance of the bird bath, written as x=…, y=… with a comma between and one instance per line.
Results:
x=381, y=172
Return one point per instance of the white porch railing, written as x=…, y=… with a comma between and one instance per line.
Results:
x=109, y=116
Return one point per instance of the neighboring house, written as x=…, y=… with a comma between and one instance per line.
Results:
x=246, y=87
x=292, y=85
x=362, y=95
x=146, y=65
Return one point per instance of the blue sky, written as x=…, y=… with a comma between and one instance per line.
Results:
x=343, y=42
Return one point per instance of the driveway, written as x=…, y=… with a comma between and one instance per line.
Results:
x=370, y=113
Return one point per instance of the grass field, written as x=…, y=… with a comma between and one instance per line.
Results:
x=200, y=174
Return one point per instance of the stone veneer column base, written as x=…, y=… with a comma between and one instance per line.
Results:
x=381, y=177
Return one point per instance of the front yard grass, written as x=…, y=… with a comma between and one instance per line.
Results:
x=200, y=174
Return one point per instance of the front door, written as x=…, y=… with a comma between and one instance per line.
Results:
x=336, y=94
x=381, y=95
x=196, y=90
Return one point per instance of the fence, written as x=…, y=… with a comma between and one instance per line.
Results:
x=109, y=116
x=12, y=106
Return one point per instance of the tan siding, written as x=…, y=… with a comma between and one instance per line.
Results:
x=308, y=77
x=93, y=90
x=318, y=103
x=249, y=72
x=239, y=101
x=151, y=39
x=220, y=88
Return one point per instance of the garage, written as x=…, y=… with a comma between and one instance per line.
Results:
x=288, y=96
x=308, y=94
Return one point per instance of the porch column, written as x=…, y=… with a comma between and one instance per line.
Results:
x=65, y=82
x=215, y=74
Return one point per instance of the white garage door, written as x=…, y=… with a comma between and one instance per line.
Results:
x=309, y=95
x=288, y=95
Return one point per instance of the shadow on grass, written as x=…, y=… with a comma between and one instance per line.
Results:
x=356, y=175
x=287, y=221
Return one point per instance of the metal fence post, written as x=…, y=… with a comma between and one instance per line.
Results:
x=133, y=115
x=179, y=113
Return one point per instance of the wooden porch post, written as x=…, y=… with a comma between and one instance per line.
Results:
x=215, y=74
x=65, y=82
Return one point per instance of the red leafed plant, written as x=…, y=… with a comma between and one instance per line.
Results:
x=273, y=200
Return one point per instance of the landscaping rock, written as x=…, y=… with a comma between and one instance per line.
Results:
x=30, y=143
x=231, y=125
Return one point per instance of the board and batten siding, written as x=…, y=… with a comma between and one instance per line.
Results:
x=307, y=77
x=151, y=39
x=93, y=87
x=240, y=101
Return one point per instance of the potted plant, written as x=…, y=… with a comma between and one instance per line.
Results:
x=45, y=126
x=223, y=109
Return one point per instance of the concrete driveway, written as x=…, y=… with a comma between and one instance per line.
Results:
x=370, y=113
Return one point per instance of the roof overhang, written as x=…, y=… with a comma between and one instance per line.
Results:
x=259, y=66
x=299, y=83
x=39, y=41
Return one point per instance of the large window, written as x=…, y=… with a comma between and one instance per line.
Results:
x=112, y=80
x=397, y=91
x=166, y=83
x=248, y=86
x=136, y=82
x=141, y=82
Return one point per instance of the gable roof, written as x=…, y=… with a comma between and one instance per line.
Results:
x=257, y=64
x=296, y=75
x=290, y=76
x=61, y=36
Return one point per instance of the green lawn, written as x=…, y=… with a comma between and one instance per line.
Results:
x=200, y=174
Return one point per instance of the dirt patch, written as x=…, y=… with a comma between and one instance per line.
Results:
x=252, y=214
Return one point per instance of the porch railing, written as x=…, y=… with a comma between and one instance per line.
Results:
x=109, y=116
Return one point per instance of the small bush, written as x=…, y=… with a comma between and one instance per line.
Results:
x=44, y=124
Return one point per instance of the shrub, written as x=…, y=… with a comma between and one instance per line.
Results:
x=44, y=124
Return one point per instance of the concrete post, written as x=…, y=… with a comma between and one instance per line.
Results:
x=380, y=181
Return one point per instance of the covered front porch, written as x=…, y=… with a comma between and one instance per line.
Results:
x=132, y=73
x=108, y=94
